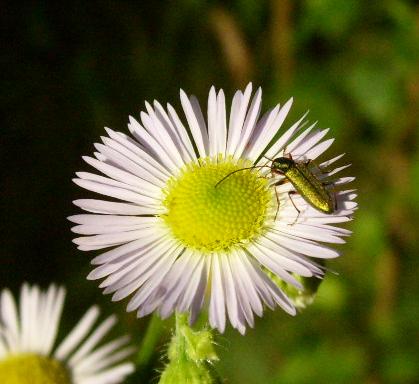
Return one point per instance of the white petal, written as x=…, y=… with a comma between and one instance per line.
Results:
x=300, y=139
x=316, y=151
x=127, y=261
x=195, y=121
x=269, y=131
x=159, y=132
x=150, y=239
x=155, y=276
x=104, y=229
x=148, y=278
x=336, y=170
x=281, y=299
x=199, y=294
x=328, y=219
x=249, y=284
x=174, y=285
x=129, y=278
x=25, y=321
x=147, y=161
x=112, y=375
x=152, y=145
x=92, y=341
x=259, y=278
x=244, y=303
x=110, y=239
x=331, y=161
x=183, y=133
x=78, y=333
x=154, y=185
x=116, y=192
x=267, y=254
x=184, y=146
x=110, y=207
x=104, y=356
x=110, y=220
x=250, y=123
x=146, y=194
x=307, y=232
x=217, y=315
x=237, y=117
x=280, y=145
x=221, y=123
x=230, y=293
x=344, y=180
x=304, y=246
x=299, y=152
x=212, y=122
x=194, y=286
x=57, y=303
x=266, y=259
x=127, y=161
x=9, y=319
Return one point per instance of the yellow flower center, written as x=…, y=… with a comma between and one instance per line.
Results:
x=207, y=216
x=32, y=369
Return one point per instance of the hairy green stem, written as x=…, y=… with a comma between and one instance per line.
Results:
x=181, y=322
x=190, y=355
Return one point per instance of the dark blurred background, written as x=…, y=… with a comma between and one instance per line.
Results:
x=69, y=69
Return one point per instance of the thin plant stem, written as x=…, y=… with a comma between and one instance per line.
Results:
x=150, y=340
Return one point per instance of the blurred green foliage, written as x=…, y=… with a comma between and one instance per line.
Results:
x=68, y=69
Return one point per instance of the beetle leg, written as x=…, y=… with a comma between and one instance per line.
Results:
x=321, y=171
x=283, y=181
x=285, y=153
x=277, y=203
x=265, y=177
x=290, y=193
x=310, y=162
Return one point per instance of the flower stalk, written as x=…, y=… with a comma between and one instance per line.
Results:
x=191, y=355
x=150, y=340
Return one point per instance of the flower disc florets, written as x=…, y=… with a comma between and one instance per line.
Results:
x=208, y=213
x=32, y=369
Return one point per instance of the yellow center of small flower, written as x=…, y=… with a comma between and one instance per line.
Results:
x=208, y=216
x=32, y=369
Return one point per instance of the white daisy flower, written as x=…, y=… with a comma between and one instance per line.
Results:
x=28, y=337
x=180, y=238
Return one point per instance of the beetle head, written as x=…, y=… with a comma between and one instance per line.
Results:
x=281, y=164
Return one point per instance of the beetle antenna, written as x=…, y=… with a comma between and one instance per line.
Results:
x=288, y=155
x=266, y=157
x=238, y=170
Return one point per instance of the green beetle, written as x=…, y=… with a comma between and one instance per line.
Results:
x=306, y=183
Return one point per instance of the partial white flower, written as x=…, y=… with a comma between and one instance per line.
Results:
x=28, y=347
x=180, y=240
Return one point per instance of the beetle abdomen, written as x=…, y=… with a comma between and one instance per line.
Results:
x=310, y=188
